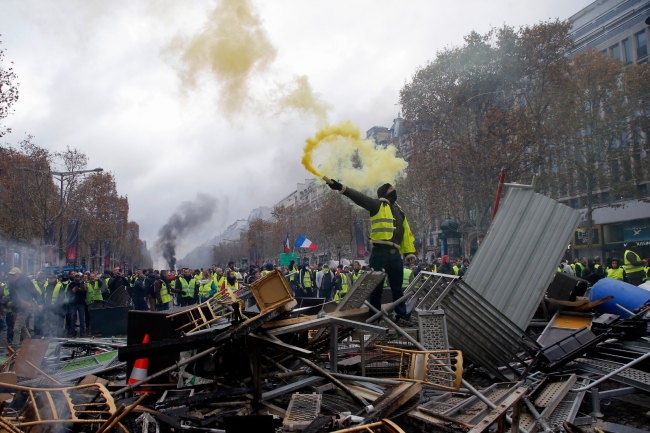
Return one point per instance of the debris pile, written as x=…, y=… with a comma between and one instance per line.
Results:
x=257, y=361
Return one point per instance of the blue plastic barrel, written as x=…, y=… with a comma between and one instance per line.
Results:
x=628, y=296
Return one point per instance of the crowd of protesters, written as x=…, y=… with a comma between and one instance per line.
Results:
x=52, y=305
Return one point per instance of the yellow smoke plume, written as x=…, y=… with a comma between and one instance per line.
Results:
x=299, y=96
x=350, y=159
x=234, y=49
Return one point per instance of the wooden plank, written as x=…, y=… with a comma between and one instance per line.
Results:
x=346, y=314
x=33, y=351
x=89, y=379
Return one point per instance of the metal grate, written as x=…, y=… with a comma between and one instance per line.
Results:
x=361, y=290
x=482, y=332
x=432, y=328
x=630, y=376
x=302, y=410
x=393, y=339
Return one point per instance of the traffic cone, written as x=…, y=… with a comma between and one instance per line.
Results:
x=140, y=368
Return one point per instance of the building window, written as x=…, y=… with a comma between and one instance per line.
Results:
x=642, y=190
x=627, y=50
x=616, y=51
x=606, y=198
x=641, y=45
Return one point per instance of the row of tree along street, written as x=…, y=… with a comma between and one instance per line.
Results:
x=37, y=211
x=519, y=101
x=54, y=206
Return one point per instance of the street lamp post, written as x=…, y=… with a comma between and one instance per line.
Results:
x=61, y=176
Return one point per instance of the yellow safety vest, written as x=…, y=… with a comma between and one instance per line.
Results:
x=616, y=274
x=57, y=289
x=306, y=280
x=382, y=228
x=93, y=293
x=455, y=268
x=355, y=276
x=265, y=272
x=219, y=281
x=38, y=288
x=234, y=288
x=629, y=267
x=164, y=293
x=187, y=287
x=406, y=280
x=205, y=289
x=345, y=285
x=559, y=269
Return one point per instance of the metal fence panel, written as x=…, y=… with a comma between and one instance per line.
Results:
x=520, y=253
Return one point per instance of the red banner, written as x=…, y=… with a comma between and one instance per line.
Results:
x=73, y=241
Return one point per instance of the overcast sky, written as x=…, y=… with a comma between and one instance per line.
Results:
x=98, y=76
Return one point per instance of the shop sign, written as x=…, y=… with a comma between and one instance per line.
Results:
x=638, y=230
x=580, y=237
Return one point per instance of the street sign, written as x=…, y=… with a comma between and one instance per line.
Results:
x=285, y=258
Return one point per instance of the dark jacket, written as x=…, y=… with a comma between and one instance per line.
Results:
x=139, y=289
x=328, y=282
x=78, y=296
x=117, y=281
x=22, y=294
x=148, y=284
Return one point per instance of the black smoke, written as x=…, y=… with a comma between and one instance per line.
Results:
x=187, y=217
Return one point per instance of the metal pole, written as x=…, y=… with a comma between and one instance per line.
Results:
x=61, y=224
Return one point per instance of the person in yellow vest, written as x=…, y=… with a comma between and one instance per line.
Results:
x=230, y=283
x=268, y=268
x=391, y=238
x=36, y=324
x=634, y=267
x=408, y=277
x=457, y=266
x=54, y=305
x=94, y=290
x=343, y=283
x=293, y=276
x=161, y=289
x=219, y=277
x=186, y=284
x=616, y=272
x=577, y=267
x=207, y=287
x=305, y=283
x=356, y=271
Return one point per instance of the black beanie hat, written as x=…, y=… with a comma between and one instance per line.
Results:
x=381, y=191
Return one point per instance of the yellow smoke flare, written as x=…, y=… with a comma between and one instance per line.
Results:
x=352, y=160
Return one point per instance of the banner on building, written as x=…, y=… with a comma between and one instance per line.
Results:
x=637, y=231
x=580, y=239
x=73, y=241
x=107, y=254
x=361, y=241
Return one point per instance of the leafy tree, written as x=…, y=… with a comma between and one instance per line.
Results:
x=8, y=90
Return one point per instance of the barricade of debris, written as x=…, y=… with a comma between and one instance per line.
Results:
x=262, y=361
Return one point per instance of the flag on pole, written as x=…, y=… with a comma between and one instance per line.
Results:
x=286, y=244
x=303, y=242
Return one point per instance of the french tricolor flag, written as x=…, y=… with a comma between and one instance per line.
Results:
x=303, y=242
x=287, y=248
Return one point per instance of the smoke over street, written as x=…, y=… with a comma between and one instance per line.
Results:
x=189, y=216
